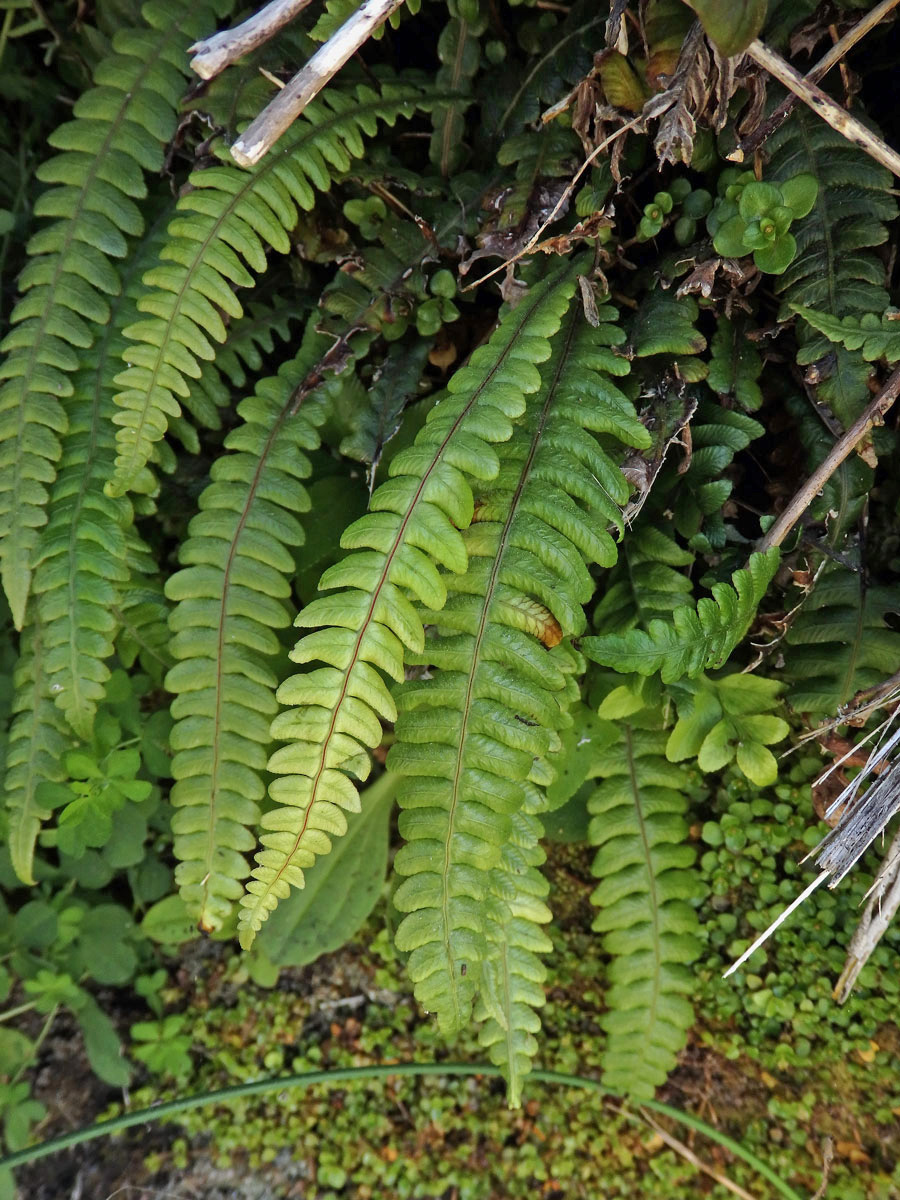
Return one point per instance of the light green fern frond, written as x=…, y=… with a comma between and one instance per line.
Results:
x=698, y=637
x=230, y=596
x=513, y=974
x=643, y=862
x=38, y=738
x=231, y=219
x=367, y=626
x=119, y=130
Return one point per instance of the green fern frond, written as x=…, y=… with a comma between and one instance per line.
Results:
x=840, y=643
x=875, y=337
x=81, y=557
x=717, y=434
x=365, y=629
x=513, y=974
x=231, y=219
x=229, y=597
x=38, y=738
x=836, y=270
x=646, y=583
x=697, y=637
x=470, y=737
x=735, y=365
x=120, y=129
x=459, y=50
x=643, y=862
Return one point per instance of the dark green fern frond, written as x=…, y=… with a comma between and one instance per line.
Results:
x=460, y=53
x=367, y=626
x=840, y=643
x=836, y=271
x=875, y=337
x=120, y=129
x=229, y=597
x=513, y=974
x=698, y=637
x=643, y=862
x=38, y=738
x=469, y=738
x=646, y=583
x=232, y=218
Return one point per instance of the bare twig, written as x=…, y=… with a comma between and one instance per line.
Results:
x=837, y=52
x=688, y=1154
x=215, y=53
x=873, y=415
x=830, y=111
x=884, y=901
x=259, y=137
x=827, y=1160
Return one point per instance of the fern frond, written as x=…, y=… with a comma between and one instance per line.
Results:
x=877, y=337
x=81, y=559
x=469, y=738
x=119, y=131
x=698, y=637
x=363, y=630
x=38, y=738
x=645, y=584
x=840, y=643
x=459, y=50
x=513, y=974
x=229, y=597
x=643, y=862
x=836, y=271
x=231, y=218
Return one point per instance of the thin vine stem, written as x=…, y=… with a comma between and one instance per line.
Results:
x=172, y=1108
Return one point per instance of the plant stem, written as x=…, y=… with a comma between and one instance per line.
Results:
x=872, y=415
x=172, y=1108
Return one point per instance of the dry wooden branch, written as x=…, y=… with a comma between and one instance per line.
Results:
x=830, y=111
x=872, y=415
x=215, y=53
x=259, y=137
x=884, y=901
x=837, y=52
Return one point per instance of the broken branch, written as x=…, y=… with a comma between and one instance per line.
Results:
x=829, y=110
x=262, y=133
x=872, y=415
x=215, y=53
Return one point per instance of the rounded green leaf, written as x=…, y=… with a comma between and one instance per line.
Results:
x=799, y=194
x=729, y=241
x=758, y=199
x=757, y=763
x=776, y=259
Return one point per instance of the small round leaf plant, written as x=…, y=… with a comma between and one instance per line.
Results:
x=755, y=217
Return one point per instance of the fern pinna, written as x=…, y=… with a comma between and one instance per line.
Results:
x=470, y=737
x=119, y=132
x=229, y=596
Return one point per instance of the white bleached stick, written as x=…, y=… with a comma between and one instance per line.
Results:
x=780, y=919
x=215, y=53
x=264, y=132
